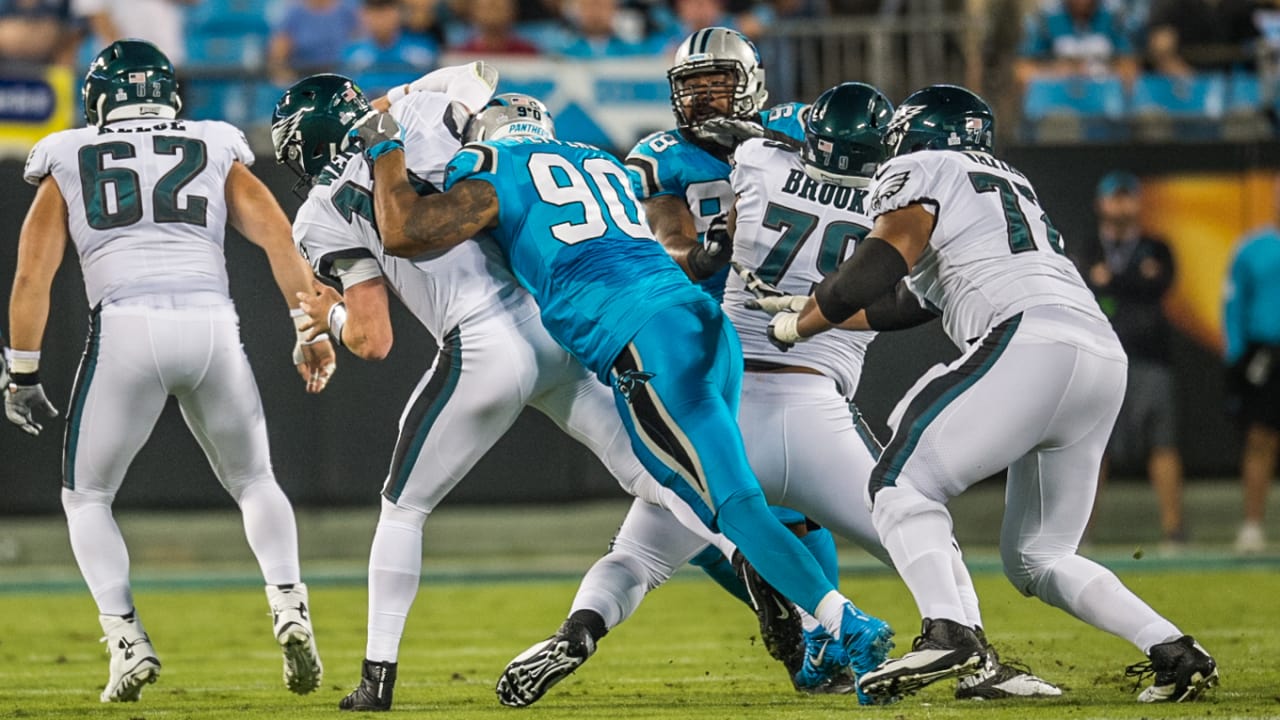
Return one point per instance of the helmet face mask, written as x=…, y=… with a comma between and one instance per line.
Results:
x=310, y=123
x=716, y=73
x=941, y=117
x=844, y=134
x=130, y=79
x=510, y=115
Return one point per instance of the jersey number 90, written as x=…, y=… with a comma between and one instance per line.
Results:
x=560, y=183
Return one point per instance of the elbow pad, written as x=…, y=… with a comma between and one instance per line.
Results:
x=874, y=270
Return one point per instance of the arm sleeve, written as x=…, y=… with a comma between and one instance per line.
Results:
x=898, y=310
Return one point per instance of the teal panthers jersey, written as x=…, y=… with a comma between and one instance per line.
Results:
x=667, y=163
x=577, y=238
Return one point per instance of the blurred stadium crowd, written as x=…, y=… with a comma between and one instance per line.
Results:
x=1075, y=70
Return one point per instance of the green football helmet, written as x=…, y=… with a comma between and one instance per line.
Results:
x=844, y=134
x=311, y=121
x=130, y=79
x=941, y=117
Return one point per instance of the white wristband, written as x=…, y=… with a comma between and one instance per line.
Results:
x=24, y=362
x=300, y=318
x=337, y=320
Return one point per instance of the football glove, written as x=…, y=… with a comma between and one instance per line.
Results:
x=715, y=251
x=767, y=296
x=782, y=330
x=378, y=134
x=728, y=132
x=22, y=400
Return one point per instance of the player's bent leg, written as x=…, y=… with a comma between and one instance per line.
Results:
x=650, y=545
x=133, y=664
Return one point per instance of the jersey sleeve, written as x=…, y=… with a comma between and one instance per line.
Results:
x=477, y=161
x=653, y=167
x=748, y=164
x=323, y=239
x=787, y=118
x=903, y=181
x=234, y=139
x=353, y=271
x=39, y=161
x=431, y=134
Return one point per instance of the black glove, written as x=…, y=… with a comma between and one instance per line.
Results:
x=728, y=132
x=378, y=133
x=715, y=251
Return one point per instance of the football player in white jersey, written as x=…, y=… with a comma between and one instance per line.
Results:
x=796, y=217
x=1036, y=391
x=145, y=198
x=495, y=356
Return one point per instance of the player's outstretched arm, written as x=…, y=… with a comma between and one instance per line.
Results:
x=41, y=245
x=410, y=225
x=254, y=212
x=360, y=319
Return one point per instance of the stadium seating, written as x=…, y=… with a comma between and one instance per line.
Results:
x=1168, y=108
x=1074, y=108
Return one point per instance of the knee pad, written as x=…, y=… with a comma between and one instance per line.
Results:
x=74, y=501
x=895, y=504
x=238, y=487
x=642, y=563
x=1038, y=573
x=393, y=514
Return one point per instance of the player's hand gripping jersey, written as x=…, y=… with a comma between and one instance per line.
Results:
x=336, y=231
x=576, y=237
x=993, y=252
x=792, y=230
x=146, y=204
x=668, y=163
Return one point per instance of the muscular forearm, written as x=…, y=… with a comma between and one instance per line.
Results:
x=672, y=225
x=28, y=313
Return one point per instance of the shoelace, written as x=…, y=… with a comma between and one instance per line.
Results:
x=1141, y=671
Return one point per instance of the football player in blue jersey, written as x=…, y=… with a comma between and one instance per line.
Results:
x=569, y=223
x=681, y=177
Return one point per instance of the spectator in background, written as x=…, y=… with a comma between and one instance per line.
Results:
x=1190, y=36
x=494, y=30
x=592, y=32
x=688, y=16
x=425, y=19
x=1075, y=38
x=310, y=38
x=385, y=55
x=1252, y=323
x=159, y=22
x=1130, y=272
x=38, y=32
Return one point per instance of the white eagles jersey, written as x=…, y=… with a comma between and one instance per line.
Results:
x=993, y=252
x=792, y=230
x=336, y=224
x=146, y=203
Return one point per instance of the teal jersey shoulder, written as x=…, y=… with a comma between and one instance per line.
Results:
x=668, y=163
x=575, y=236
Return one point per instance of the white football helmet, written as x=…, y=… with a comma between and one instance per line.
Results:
x=717, y=49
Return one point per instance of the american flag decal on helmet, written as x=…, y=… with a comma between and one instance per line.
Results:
x=137, y=77
x=825, y=146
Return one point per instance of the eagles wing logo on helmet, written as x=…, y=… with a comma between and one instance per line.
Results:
x=903, y=115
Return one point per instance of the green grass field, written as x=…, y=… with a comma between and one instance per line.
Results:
x=689, y=652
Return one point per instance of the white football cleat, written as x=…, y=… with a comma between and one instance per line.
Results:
x=133, y=659
x=291, y=620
